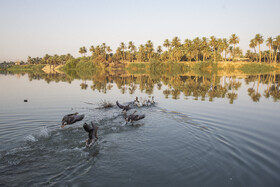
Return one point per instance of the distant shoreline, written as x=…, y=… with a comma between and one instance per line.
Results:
x=220, y=68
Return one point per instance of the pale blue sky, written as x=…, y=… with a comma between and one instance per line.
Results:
x=36, y=27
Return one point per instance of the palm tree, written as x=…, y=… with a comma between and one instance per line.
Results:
x=276, y=43
x=92, y=49
x=123, y=47
x=83, y=50
x=219, y=46
x=141, y=55
x=234, y=40
x=159, y=50
x=97, y=51
x=224, y=47
x=46, y=58
x=167, y=44
x=259, y=40
x=132, y=48
x=213, y=43
x=118, y=54
x=266, y=56
x=29, y=59
x=178, y=53
x=238, y=52
x=188, y=49
x=175, y=42
x=196, y=47
x=269, y=43
x=253, y=45
x=149, y=49
x=205, y=49
x=108, y=50
x=104, y=46
x=249, y=55
x=164, y=56
x=231, y=51
x=68, y=56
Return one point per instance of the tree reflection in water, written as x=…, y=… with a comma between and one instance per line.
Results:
x=199, y=87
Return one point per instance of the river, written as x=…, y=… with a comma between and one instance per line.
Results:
x=201, y=132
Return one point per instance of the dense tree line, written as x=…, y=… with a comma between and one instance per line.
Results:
x=270, y=55
x=199, y=49
x=50, y=60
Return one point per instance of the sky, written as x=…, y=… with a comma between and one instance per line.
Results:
x=38, y=27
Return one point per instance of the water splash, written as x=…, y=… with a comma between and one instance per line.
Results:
x=30, y=138
x=44, y=132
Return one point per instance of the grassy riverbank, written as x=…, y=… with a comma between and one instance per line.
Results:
x=201, y=68
x=26, y=68
x=154, y=68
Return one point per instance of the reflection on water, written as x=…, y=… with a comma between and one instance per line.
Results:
x=198, y=87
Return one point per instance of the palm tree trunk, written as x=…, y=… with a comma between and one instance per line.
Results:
x=203, y=57
x=270, y=55
x=255, y=53
x=276, y=55
x=214, y=55
x=260, y=53
x=233, y=51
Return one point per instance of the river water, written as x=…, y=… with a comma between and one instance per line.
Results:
x=226, y=135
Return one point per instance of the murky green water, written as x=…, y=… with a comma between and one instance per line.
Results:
x=203, y=131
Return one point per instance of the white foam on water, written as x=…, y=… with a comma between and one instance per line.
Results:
x=44, y=132
x=14, y=162
x=30, y=138
x=84, y=154
x=76, y=149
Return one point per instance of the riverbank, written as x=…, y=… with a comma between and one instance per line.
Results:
x=26, y=68
x=156, y=68
x=221, y=68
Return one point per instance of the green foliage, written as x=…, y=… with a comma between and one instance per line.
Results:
x=138, y=68
x=81, y=68
x=71, y=63
x=25, y=68
x=86, y=65
x=169, y=68
x=205, y=68
x=229, y=68
x=256, y=68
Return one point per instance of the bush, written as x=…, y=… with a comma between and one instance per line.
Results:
x=71, y=63
x=28, y=67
